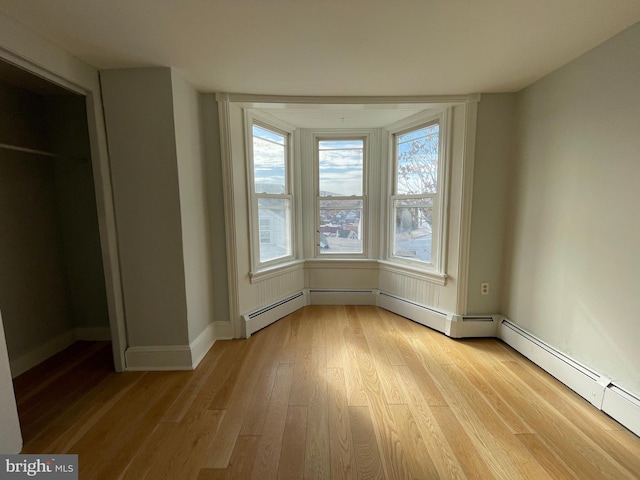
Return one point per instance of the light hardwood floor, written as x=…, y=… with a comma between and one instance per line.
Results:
x=327, y=392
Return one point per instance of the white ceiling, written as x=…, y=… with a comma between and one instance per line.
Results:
x=333, y=47
x=347, y=116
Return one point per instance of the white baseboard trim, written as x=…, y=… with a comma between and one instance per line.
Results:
x=202, y=344
x=262, y=317
x=597, y=389
x=158, y=358
x=342, y=297
x=171, y=357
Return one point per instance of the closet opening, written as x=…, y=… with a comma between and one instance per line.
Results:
x=53, y=297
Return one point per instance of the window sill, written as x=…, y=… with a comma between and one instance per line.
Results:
x=429, y=276
x=350, y=263
x=276, y=270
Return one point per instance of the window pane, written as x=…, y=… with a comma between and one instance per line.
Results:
x=413, y=230
x=269, y=160
x=417, y=161
x=265, y=229
x=341, y=226
x=340, y=165
x=274, y=219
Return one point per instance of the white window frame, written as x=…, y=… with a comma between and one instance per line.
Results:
x=437, y=266
x=253, y=117
x=338, y=136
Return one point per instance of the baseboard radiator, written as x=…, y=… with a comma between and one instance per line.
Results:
x=414, y=311
x=597, y=389
x=472, y=326
x=454, y=326
x=342, y=296
x=258, y=319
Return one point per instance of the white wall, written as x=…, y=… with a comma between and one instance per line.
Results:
x=573, y=263
x=211, y=145
x=138, y=108
x=160, y=176
x=192, y=178
x=494, y=151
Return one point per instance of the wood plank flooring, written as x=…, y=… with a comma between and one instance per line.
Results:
x=328, y=392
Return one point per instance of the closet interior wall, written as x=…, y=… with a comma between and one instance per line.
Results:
x=52, y=286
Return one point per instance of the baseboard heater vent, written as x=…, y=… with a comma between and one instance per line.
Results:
x=258, y=319
x=471, y=326
x=342, y=297
x=599, y=390
x=537, y=348
x=421, y=314
x=466, y=318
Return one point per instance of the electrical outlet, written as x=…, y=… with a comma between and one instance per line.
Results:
x=484, y=288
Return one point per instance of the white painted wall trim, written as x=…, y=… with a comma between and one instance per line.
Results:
x=171, y=357
x=229, y=212
x=202, y=344
x=159, y=358
x=464, y=235
x=258, y=101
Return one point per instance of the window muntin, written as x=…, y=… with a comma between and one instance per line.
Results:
x=271, y=194
x=417, y=192
x=341, y=200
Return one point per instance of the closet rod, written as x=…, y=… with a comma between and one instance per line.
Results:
x=16, y=148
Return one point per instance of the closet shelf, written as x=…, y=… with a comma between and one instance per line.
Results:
x=44, y=153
